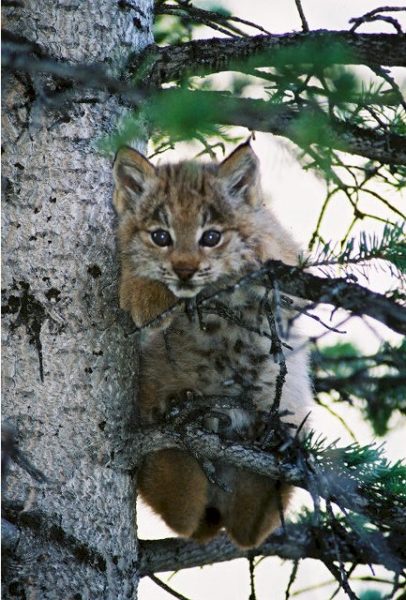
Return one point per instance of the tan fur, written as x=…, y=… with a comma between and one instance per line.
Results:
x=214, y=358
x=144, y=307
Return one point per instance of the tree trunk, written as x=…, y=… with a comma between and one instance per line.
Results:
x=68, y=354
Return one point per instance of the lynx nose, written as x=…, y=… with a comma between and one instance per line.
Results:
x=184, y=272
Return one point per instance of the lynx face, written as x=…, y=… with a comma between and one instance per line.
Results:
x=189, y=225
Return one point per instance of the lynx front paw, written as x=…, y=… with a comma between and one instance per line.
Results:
x=146, y=300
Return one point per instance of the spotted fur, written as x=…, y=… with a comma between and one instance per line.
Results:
x=226, y=352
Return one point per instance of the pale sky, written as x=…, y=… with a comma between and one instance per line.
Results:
x=296, y=197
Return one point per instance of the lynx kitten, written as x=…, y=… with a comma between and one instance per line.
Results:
x=183, y=227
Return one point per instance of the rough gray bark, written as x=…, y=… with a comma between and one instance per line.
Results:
x=68, y=360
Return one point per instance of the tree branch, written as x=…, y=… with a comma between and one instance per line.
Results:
x=333, y=484
x=217, y=54
x=286, y=121
x=297, y=541
x=302, y=540
x=25, y=57
x=339, y=292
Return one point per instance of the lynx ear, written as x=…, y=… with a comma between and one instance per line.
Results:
x=133, y=173
x=240, y=171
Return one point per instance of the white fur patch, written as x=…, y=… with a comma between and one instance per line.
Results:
x=240, y=419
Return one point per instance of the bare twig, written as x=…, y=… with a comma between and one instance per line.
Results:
x=280, y=359
x=339, y=418
x=342, y=579
x=166, y=587
x=207, y=17
x=374, y=15
x=251, y=563
x=305, y=25
x=385, y=74
x=202, y=17
x=292, y=578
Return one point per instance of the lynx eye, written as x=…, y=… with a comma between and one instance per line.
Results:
x=161, y=237
x=210, y=238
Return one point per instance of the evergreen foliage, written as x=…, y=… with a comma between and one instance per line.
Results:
x=389, y=248
x=375, y=383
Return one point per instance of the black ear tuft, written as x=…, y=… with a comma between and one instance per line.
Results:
x=132, y=174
